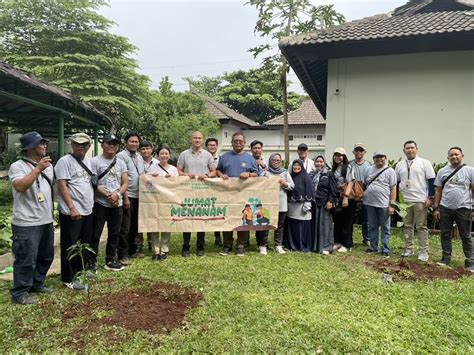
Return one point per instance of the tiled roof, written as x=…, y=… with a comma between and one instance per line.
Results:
x=222, y=112
x=389, y=26
x=307, y=114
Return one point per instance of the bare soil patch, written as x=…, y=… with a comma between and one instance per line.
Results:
x=413, y=271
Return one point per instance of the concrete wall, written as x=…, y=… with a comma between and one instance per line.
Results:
x=386, y=100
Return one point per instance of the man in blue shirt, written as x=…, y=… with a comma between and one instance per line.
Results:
x=236, y=164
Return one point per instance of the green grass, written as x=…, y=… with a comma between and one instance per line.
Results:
x=294, y=302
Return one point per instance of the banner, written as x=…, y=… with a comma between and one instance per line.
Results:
x=181, y=204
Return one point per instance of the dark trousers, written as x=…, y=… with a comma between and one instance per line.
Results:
x=71, y=232
x=113, y=217
x=33, y=248
x=199, y=242
x=462, y=217
x=242, y=238
x=361, y=209
x=262, y=238
x=280, y=229
x=129, y=230
x=343, y=225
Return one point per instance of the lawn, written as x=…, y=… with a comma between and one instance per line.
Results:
x=294, y=302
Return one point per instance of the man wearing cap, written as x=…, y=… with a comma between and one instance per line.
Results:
x=360, y=167
x=211, y=146
x=416, y=181
x=76, y=201
x=112, y=184
x=302, y=151
x=130, y=242
x=380, y=195
x=32, y=220
x=195, y=162
x=256, y=147
x=453, y=203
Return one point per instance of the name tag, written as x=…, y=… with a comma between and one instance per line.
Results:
x=40, y=196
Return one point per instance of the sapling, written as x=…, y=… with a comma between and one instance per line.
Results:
x=401, y=208
x=78, y=250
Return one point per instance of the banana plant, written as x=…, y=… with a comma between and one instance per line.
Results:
x=401, y=208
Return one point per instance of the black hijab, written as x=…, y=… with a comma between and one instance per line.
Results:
x=303, y=190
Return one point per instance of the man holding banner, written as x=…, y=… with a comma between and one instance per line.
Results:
x=236, y=164
x=195, y=162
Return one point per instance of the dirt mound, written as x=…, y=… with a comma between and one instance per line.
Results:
x=158, y=308
x=413, y=271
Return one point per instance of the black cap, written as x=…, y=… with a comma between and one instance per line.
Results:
x=255, y=142
x=111, y=138
x=302, y=146
x=31, y=140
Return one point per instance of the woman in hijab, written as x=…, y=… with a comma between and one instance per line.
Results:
x=344, y=220
x=325, y=196
x=298, y=235
x=286, y=184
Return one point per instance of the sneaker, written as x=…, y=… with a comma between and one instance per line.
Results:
x=240, y=250
x=225, y=251
x=200, y=252
x=113, y=266
x=386, y=255
x=41, y=289
x=470, y=268
x=185, y=254
x=125, y=261
x=366, y=242
x=370, y=251
x=443, y=263
x=164, y=256
x=24, y=300
x=423, y=257
x=325, y=252
x=156, y=257
x=336, y=246
x=138, y=255
x=408, y=253
x=342, y=249
x=93, y=267
x=279, y=250
x=263, y=250
x=75, y=285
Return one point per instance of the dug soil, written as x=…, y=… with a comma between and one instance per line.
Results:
x=156, y=308
x=413, y=271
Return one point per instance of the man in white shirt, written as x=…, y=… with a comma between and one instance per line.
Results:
x=302, y=151
x=415, y=177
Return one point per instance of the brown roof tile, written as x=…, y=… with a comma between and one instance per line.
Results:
x=307, y=114
x=389, y=26
x=221, y=111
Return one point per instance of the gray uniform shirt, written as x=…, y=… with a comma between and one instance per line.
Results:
x=27, y=210
x=360, y=170
x=457, y=191
x=198, y=163
x=111, y=181
x=134, y=168
x=78, y=183
x=377, y=193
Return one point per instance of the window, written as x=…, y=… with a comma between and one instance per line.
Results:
x=319, y=137
x=290, y=138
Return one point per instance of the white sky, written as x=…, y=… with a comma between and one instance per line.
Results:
x=197, y=37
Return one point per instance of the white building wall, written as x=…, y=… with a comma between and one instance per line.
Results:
x=384, y=101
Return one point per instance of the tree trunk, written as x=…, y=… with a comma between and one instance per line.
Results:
x=285, y=110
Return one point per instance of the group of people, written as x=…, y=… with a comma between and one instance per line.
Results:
x=317, y=202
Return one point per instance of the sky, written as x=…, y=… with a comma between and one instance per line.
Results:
x=197, y=37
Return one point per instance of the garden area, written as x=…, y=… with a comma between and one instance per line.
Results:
x=295, y=302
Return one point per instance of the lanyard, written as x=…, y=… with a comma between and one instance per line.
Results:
x=145, y=167
x=409, y=167
x=32, y=168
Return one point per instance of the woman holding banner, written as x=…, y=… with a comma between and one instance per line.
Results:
x=160, y=241
x=298, y=229
x=286, y=184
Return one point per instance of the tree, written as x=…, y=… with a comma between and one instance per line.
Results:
x=282, y=18
x=254, y=93
x=173, y=116
x=67, y=43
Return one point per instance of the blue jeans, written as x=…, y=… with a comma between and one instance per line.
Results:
x=33, y=248
x=378, y=217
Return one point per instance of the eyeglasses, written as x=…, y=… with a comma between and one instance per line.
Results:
x=238, y=141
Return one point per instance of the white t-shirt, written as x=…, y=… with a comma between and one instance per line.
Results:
x=78, y=183
x=413, y=176
x=28, y=211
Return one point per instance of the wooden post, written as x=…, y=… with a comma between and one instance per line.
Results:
x=61, y=136
x=96, y=141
